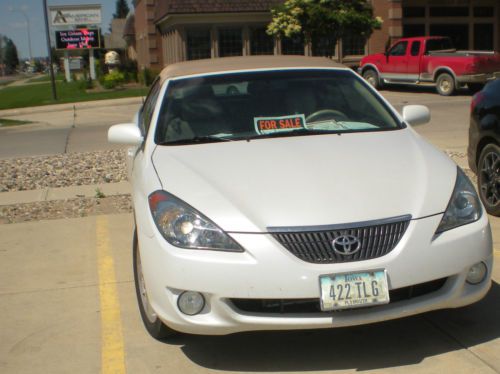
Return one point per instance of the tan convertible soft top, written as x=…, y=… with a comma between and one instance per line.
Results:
x=244, y=63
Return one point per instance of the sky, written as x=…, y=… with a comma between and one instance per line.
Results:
x=13, y=22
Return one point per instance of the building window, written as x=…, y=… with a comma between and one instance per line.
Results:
x=458, y=33
x=413, y=11
x=484, y=11
x=198, y=44
x=449, y=11
x=483, y=36
x=353, y=45
x=321, y=47
x=413, y=30
x=230, y=42
x=260, y=42
x=292, y=46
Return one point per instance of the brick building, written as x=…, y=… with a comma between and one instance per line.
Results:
x=168, y=31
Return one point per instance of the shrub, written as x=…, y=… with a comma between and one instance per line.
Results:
x=98, y=69
x=147, y=76
x=113, y=79
x=85, y=83
x=129, y=68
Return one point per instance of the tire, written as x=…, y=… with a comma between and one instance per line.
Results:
x=445, y=84
x=475, y=87
x=372, y=78
x=488, y=178
x=156, y=328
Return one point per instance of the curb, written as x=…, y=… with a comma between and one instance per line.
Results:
x=69, y=106
x=64, y=193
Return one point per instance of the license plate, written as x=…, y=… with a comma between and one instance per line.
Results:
x=353, y=290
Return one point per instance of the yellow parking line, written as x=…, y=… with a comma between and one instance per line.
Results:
x=112, y=354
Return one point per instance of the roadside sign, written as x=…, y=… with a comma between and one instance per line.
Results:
x=65, y=15
x=78, y=39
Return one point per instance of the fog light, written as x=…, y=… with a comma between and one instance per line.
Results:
x=477, y=273
x=190, y=302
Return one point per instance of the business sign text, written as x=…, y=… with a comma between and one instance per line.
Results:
x=69, y=15
x=78, y=39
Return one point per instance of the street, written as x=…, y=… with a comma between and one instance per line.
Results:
x=68, y=303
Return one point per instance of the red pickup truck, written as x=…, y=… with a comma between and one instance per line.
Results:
x=430, y=60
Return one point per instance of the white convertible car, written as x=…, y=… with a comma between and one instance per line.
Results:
x=304, y=200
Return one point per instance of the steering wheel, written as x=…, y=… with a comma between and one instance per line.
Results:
x=327, y=113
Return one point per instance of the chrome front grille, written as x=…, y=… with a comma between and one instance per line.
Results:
x=315, y=244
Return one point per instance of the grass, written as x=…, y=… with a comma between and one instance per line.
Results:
x=41, y=94
x=46, y=78
x=4, y=122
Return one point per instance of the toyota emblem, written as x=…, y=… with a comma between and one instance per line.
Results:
x=346, y=245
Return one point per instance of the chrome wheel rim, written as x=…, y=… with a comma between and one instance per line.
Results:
x=445, y=85
x=148, y=310
x=490, y=178
x=371, y=80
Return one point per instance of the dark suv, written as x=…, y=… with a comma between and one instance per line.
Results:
x=484, y=144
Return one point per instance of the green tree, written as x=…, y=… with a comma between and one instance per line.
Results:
x=10, y=57
x=323, y=20
x=122, y=9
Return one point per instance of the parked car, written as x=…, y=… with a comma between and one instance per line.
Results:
x=433, y=60
x=303, y=197
x=484, y=145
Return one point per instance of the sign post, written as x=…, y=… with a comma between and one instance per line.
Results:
x=92, y=64
x=67, y=72
x=49, y=49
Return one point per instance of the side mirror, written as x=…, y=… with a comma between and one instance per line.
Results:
x=125, y=133
x=416, y=114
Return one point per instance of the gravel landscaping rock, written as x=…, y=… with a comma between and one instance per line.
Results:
x=62, y=170
x=459, y=157
x=71, y=208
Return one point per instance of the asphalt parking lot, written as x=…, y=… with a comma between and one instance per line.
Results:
x=67, y=299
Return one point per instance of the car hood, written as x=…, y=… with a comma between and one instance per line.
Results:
x=248, y=186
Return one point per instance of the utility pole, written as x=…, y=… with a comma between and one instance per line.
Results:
x=1, y=56
x=29, y=33
x=49, y=49
x=27, y=27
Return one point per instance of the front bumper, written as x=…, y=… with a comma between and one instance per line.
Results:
x=268, y=271
x=478, y=78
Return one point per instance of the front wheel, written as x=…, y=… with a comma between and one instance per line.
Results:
x=372, y=78
x=445, y=84
x=156, y=328
x=488, y=178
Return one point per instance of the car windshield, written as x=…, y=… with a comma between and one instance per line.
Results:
x=253, y=105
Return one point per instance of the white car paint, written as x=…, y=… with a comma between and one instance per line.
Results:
x=249, y=186
x=246, y=187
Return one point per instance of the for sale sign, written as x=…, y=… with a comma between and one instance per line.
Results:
x=78, y=39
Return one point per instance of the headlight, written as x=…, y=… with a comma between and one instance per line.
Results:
x=185, y=227
x=464, y=206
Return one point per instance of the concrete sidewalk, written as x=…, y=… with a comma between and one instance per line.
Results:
x=62, y=193
x=69, y=106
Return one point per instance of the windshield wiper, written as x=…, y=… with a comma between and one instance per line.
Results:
x=197, y=139
x=299, y=132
